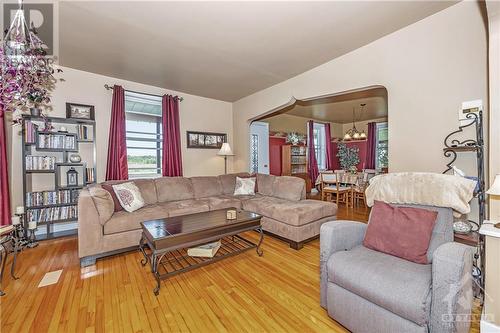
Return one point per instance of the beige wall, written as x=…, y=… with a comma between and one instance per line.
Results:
x=428, y=68
x=196, y=113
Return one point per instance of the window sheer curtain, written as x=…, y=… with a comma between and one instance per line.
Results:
x=172, y=158
x=117, y=167
x=4, y=174
x=312, y=164
x=329, y=148
x=371, y=149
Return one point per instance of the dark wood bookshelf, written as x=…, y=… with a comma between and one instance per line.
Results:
x=62, y=161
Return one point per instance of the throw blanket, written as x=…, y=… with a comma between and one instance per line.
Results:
x=422, y=188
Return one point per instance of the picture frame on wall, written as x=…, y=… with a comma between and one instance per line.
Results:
x=80, y=111
x=205, y=140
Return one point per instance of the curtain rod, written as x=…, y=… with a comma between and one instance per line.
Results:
x=110, y=87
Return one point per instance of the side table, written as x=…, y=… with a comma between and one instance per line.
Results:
x=7, y=237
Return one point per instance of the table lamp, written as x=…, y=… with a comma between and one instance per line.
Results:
x=495, y=190
x=226, y=151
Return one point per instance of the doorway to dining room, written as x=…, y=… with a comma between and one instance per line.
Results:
x=348, y=133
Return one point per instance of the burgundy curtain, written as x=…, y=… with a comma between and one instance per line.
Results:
x=117, y=168
x=329, y=148
x=4, y=174
x=371, y=149
x=312, y=164
x=172, y=159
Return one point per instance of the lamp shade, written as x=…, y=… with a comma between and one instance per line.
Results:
x=495, y=188
x=225, y=150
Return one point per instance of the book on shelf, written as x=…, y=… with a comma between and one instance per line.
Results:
x=83, y=132
x=40, y=162
x=207, y=250
x=30, y=132
x=45, y=198
x=90, y=175
x=39, y=215
x=56, y=141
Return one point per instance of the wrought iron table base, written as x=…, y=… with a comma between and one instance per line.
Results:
x=16, y=245
x=238, y=244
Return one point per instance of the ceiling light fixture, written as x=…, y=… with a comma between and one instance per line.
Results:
x=353, y=133
x=26, y=71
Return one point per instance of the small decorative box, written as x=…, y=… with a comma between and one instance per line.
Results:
x=231, y=214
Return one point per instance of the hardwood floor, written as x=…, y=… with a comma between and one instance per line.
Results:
x=275, y=293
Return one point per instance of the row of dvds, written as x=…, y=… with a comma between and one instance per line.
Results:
x=83, y=132
x=56, y=141
x=52, y=214
x=45, y=198
x=40, y=162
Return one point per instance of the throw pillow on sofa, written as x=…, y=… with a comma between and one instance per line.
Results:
x=118, y=207
x=129, y=196
x=404, y=232
x=244, y=186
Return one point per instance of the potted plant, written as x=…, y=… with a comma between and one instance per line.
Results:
x=348, y=157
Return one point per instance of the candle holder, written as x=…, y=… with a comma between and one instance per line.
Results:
x=32, y=239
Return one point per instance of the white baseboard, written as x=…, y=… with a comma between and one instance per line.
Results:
x=486, y=326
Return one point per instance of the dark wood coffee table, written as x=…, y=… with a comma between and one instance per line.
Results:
x=169, y=238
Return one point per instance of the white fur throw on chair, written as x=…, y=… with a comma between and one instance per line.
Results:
x=422, y=188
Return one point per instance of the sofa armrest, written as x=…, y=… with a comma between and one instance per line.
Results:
x=451, y=288
x=90, y=232
x=337, y=236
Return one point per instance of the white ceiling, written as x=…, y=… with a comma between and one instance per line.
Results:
x=338, y=109
x=222, y=50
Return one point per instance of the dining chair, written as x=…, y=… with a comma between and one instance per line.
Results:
x=369, y=174
x=358, y=190
x=327, y=184
x=342, y=190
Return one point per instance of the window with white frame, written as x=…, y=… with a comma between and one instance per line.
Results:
x=320, y=145
x=144, y=135
x=382, y=146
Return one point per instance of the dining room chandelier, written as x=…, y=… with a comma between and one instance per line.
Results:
x=27, y=73
x=353, y=133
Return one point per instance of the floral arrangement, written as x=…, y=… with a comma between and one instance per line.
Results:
x=348, y=157
x=295, y=138
x=27, y=73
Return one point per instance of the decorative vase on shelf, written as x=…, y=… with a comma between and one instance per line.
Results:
x=35, y=111
x=75, y=158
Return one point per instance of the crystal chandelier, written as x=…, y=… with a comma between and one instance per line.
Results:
x=353, y=133
x=27, y=73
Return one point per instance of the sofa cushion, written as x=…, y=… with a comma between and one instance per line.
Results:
x=124, y=221
x=185, y=207
x=289, y=188
x=228, y=181
x=265, y=184
x=130, y=196
x=206, y=187
x=103, y=202
x=223, y=202
x=174, y=189
x=294, y=213
x=397, y=285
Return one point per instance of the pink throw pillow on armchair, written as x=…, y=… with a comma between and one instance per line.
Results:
x=404, y=232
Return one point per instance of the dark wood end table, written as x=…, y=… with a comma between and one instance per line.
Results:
x=167, y=240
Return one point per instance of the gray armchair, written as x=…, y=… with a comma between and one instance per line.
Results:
x=370, y=291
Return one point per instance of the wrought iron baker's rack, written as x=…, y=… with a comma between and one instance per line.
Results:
x=451, y=150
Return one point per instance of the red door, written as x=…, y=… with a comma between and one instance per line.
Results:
x=275, y=155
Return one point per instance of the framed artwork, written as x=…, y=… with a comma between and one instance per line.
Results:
x=80, y=111
x=205, y=140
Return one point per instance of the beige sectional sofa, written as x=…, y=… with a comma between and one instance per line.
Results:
x=280, y=200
